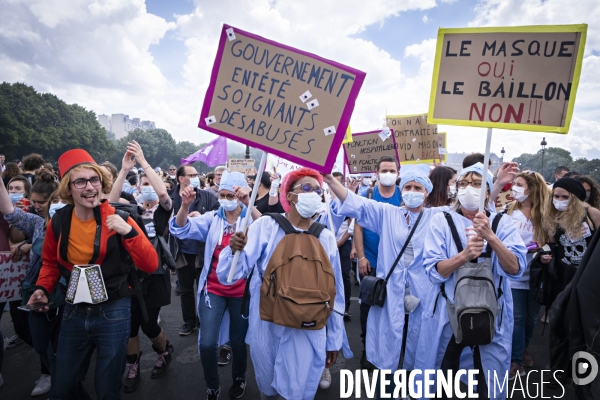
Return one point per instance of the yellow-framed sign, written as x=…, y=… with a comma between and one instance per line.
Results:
x=418, y=141
x=521, y=77
x=348, y=137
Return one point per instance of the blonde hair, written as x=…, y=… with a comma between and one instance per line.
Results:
x=538, y=194
x=64, y=187
x=570, y=220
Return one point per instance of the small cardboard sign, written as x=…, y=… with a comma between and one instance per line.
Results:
x=240, y=165
x=418, y=141
x=367, y=148
x=12, y=274
x=280, y=99
x=521, y=77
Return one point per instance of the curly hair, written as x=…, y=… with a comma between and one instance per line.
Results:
x=33, y=161
x=64, y=189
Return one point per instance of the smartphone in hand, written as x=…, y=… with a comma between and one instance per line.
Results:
x=34, y=306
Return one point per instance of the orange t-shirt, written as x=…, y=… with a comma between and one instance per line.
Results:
x=81, y=241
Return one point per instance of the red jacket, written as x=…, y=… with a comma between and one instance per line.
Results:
x=106, y=253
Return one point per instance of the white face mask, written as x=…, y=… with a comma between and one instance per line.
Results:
x=519, y=193
x=228, y=205
x=54, y=207
x=388, y=178
x=413, y=199
x=308, y=204
x=469, y=198
x=451, y=192
x=560, y=205
x=366, y=181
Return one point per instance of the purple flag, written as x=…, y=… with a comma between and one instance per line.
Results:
x=213, y=154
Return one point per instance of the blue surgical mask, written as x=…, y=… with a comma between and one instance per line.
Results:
x=195, y=183
x=53, y=207
x=228, y=205
x=148, y=193
x=14, y=197
x=413, y=199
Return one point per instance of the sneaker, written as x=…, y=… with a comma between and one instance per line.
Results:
x=224, y=356
x=14, y=342
x=213, y=394
x=514, y=370
x=366, y=364
x=186, y=329
x=325, y=381
x=133, y=379
x=42, y=385
x=527, y=360
x=162, y=361
x=238, y=388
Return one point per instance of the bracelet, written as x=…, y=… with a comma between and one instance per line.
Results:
x=147, y=166
x=361, y=259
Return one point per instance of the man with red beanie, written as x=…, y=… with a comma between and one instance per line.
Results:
x=88, y=231
x=288, y=362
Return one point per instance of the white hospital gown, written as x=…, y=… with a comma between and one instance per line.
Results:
x=385, y=324
x=287, y=361
x=207, y=228
x=435, y=329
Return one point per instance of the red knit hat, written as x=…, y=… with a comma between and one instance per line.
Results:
x=72, y=158
x=292, y=177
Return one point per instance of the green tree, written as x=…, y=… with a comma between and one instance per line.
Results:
x=42, y=123
x=158, y=146
x=554, y=157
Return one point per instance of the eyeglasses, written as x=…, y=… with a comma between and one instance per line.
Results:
x=307, y=188
x=192, y=175
x=82, y=183
x=224, y=196
x=464, y=183
x=172, y=169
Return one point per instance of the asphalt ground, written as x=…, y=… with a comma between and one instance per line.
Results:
x=184, y=379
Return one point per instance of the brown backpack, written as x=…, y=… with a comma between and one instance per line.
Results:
x=298, y=287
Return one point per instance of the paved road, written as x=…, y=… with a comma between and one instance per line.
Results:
x=184, y=379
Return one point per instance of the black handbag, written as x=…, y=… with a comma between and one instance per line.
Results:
x=373, y=290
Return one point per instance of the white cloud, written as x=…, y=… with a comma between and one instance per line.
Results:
x=97, y=53
x=425, y=19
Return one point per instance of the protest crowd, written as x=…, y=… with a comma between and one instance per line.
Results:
x=102, y=244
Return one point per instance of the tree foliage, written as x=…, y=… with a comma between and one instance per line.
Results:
x=31, y=122
x=555, y=157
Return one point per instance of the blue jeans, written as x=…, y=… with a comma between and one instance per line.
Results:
x=210, y=324
x=525, y=311
x=85, y=328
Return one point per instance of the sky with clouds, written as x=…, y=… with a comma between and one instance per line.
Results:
x=152, y=59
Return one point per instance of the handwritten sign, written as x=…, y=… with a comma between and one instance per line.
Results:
x=367, y=148
x=280, y=99
x=503, y=199
x=240, y=165
x=507, y=77
x=12, y=274
x=418, y=141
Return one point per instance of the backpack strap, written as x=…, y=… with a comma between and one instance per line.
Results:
x=316, y=229
x=283, y=222
x=410, y=235
x=246, y=296
x=132, y=274
x=454, y=232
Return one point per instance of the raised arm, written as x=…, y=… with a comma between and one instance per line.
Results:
x=337, y=188
x=127, y=164
x=134, y=148
x=6, y=206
